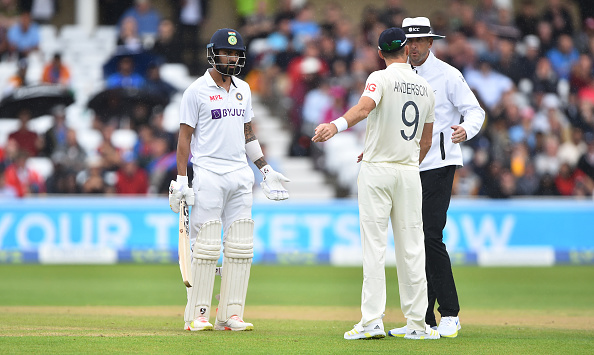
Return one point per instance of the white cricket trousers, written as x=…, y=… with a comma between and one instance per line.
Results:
x=226, y=197
x=388, y=190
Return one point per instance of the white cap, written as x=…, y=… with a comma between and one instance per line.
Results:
x=415, y=27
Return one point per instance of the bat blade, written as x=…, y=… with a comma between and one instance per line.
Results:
x=183, y=250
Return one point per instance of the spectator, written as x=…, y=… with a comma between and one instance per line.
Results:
x=125, y=77
x=147, y=18
x=63, y=178
x=24, y=180
x=547, y=162
x=572, y=148
x=586, y=162
x=154, y=85
x=565, y=180
x=191, y=17
x=27, y=140
x=545, y=35
x=564, y=56
x=131, y=179
x=466, y=182
x=167, y=44
x=545, y=79
x=92, y=180
x=56, y=72
x=23, y=36
x=6, y=191
x=527, y=18
x=157, y=122
x=547, y=186
x=393, y=13
x=315, y=104
x=557, y=14
x=528, y=183
x=128, y=36
x=162, y=167
x=304, y=28
x=509, y=62
x=55, y=137
x=19, y=79
x=581, y=73
x=488, y=83
x=529, y=58
x=72, y=155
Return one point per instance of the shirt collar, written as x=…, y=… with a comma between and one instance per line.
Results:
x=427, y=62
x=400, y=65
x=210, y=81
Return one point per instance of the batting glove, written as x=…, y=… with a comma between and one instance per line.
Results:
x=179, y=189
x=272, y=186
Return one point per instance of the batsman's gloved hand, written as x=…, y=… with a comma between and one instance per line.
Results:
x=179, y=189
x=272, y=186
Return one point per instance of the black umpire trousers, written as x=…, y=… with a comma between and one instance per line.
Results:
x=437, y=191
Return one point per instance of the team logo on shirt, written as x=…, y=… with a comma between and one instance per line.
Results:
x=216, y=98
x=226, y=112
x=239, y=96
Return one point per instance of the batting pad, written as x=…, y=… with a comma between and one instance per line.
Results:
x=237, y=260
x=206, y=252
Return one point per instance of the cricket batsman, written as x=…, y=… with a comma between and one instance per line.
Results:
x=216, y=128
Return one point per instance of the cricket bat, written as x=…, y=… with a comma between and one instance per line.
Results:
x=183, y=247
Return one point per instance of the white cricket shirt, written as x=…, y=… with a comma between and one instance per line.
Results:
x=453, y=99
x=218, y=117
x=404, y=103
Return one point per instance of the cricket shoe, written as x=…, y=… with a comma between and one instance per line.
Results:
x=234, y=323
x=374, y=330
x=401, y=332
x=449, y=326
x=428, y=333
x=198, y=324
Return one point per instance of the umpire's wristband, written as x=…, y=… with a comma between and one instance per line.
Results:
x=341, y=124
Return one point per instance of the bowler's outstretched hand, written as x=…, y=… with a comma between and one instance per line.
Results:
x=324, y=132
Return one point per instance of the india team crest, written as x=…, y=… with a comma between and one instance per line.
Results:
x=232, y=39
x=239, y=96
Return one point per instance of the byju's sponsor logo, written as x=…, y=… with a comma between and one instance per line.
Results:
x=218, y=113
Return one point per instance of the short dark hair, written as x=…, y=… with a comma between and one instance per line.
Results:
x=394, y=54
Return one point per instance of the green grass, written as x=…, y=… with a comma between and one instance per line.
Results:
x=138, y=309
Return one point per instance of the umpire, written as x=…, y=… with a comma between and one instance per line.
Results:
x=458, y=117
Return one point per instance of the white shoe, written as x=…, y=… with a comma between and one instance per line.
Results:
x=198, y=324
x=234, y=323
x=429, y=333
x=449, y=326
x=374, y=330
x=401, y=332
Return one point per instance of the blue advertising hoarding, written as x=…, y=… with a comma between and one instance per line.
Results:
x=113, y=229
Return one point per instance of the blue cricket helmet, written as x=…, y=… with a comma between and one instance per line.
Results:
x=226, y=38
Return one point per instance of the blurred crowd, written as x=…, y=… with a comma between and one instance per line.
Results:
x=529, y=62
